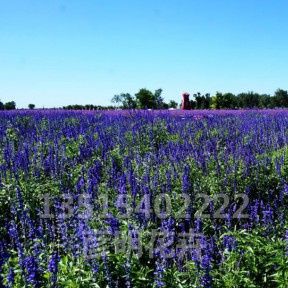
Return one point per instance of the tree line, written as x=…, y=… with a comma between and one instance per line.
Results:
x=145, y=99
x=247, y=100
x=88, y=107
x=12, y=105
x=8, y=106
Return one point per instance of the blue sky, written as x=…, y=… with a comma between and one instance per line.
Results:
x=60, y=52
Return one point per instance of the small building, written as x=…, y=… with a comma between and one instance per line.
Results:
x=185, y=104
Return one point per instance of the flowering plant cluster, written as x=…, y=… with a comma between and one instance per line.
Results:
x=143, y=199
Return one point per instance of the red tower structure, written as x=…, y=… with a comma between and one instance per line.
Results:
x=185, y=105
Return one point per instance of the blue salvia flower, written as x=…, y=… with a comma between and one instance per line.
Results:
x=229, y=243
x=286, y=239
x=31, y=267
x=3, y=256
x=53, y=267
x=127, y=266
x=95, y=267
x=285, y=189
x=134, y=238
x=254, y=217
x=14, y=234
x=198, y=225
x=10, y=277
x=168, y=179
x=113, y=222
x=206, y=266
x=268, y=218
x=159, y=274
x=108, y=274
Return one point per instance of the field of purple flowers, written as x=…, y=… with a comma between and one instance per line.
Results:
x=144, y=199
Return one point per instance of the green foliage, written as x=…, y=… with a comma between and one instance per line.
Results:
x=257, y=262
x=172, y=104
x=10, y=105
x=280, y=98
x=201, y=101
x=146, y=99
x=2, y=106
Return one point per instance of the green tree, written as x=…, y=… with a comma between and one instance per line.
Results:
x=281, y=98
x=207, y=101
x=128, y=101
x=10, y=105
x=158, y=99
x=2, y=106
x=218, y=101
x=249, y=100
x=89, y=107
x=265, y=101
x=229, y=101
x=31, y=106
x=201, y=101
x=193, y=104
x=117, y=99
x=198, y=100
x=172, y=104
x=145, y=99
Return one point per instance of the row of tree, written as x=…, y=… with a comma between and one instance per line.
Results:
x=88, y=107
x=8, y=106
x=146, y=99
x=12, y=106
x=242, y=100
